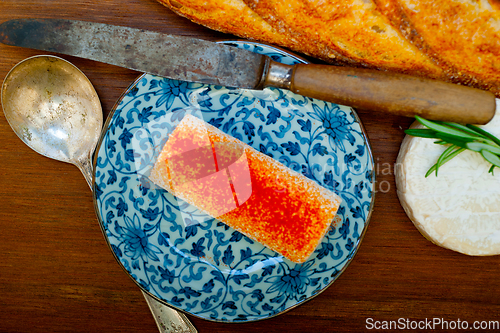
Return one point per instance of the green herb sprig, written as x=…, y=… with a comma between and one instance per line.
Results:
x=459, y=137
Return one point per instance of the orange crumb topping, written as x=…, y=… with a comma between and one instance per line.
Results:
x=251, y=192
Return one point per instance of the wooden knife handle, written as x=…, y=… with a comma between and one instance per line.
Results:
x=390, y=92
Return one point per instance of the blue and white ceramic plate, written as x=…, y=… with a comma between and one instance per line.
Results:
x=206, y=268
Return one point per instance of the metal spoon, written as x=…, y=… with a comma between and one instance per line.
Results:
x=53, y=108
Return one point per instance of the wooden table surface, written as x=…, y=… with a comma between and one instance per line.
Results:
x=57, y=273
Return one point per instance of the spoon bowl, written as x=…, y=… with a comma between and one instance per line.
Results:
x=54, y=109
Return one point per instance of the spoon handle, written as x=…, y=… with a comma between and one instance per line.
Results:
x=167, y=319
x=85, y=166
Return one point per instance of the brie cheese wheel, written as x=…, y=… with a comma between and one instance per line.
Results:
x=460, y=208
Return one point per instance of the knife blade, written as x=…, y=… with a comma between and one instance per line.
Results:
x=171, y=56
x=191, y=59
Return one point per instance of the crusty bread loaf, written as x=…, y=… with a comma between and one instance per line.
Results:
x=245, y=189
x=452, y=40
x=462, y=36
x=370, y=40
x=229, y=16
x=294, y=19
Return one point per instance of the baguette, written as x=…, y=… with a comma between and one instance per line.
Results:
x=292, y=18
x=463, y=37
x=231, y=17
x=370, y=41
x=451, y=40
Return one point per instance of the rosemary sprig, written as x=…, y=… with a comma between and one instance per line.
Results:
x=459, y=137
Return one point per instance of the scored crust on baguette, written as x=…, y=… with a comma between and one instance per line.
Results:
x=370, y=40
x=451, y=40
x=229, y=16
x=293, y=18
x=462, y=36
x=235, y=17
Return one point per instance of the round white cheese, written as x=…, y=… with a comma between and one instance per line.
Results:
x=460, y=208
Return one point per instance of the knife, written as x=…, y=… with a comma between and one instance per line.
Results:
x=190, y=59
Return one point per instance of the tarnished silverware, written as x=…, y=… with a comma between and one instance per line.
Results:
x=53, y=108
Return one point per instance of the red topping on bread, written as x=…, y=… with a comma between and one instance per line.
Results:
x=245, y=189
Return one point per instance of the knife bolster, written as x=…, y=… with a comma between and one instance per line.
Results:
x=278, y=75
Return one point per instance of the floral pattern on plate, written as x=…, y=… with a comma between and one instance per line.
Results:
x=193, y=262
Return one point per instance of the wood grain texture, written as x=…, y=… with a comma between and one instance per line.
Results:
x=58, y=275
